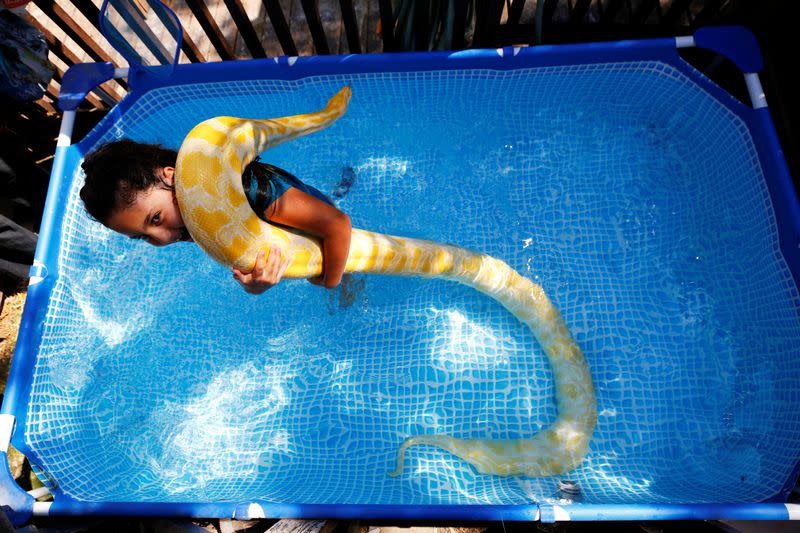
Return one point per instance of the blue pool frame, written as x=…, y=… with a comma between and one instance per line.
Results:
x=735, y=43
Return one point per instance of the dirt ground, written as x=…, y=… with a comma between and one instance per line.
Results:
x=10, y=315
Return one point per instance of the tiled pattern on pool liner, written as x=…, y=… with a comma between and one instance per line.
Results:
x=646, y=219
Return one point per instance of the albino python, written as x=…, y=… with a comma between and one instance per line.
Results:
x=211, y=199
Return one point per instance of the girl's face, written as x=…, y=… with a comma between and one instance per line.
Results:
x=154, y=215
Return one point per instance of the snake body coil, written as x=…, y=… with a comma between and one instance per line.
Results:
x=211, y=199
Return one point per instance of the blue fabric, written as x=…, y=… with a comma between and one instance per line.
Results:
x=264, y=183
x=737, y=43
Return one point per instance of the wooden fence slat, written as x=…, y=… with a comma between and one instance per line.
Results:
x=92, y=13
x=203, y=16
x=245, y=28
x=350, y=26
x=311, y=10
x=673, y=15
x=579, y=11
x=287, y=525
x=299, y=28
x=646, y=8
x=361, y=15
x=481, y=20
x=387, y=26
x=188, y=46
x=421, y=24
x=549, y=10
x=135, y=21
x=74, y=30
x=52, y=91
x=275, y=14
x=330, y=14
x=46, y=104
x=487, y=22
x=89, y=10
x=609, y=12
x=68, y=57
x=710, y=11
x=515, y=13
x=373, y=41
x=460, y=23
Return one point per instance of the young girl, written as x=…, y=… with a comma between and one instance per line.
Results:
x=129, y=189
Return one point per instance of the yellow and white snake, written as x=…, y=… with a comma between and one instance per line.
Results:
x=208, y=186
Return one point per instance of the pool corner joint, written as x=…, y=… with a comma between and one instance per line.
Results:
x=738, y=45
x=81, y=78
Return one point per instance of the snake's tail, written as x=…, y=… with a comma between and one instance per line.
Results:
x=442, y=441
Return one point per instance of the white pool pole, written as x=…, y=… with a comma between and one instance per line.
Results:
x=65, y=133
x=756, y=91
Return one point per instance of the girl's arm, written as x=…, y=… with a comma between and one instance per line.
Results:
x=302, y=211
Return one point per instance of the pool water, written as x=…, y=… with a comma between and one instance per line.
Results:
x=633, y=197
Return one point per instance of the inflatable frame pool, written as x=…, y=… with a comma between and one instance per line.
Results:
x=735, y=43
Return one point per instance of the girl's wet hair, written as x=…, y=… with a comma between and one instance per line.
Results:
x=117, y=171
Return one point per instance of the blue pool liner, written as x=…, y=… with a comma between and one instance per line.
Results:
x=734, y=42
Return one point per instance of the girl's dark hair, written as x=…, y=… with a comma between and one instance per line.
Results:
x=117, y=171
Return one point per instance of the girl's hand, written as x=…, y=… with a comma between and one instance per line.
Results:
x=265, y=274
x=319, y=281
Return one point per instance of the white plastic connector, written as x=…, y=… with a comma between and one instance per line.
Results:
x=38, y=493
x=38, y=272
x=41, y=508
x=756, y=91
x=255, y=511
x=794, y=511
x=684, y=42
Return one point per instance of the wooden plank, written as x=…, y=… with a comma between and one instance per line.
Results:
x=350, y=20
x=610, y=11
x=578, y=11
x=188, y=46
x=46, y=104
x=195, y=32
x=245, y=29
x=212, y=31
x=672, y=17
x=115, y=89
x=460, y=23
x=300, y=30
x=421, y=24
x=311, y=10
x=53, y=90
x=550, y=7
x=226, y=25
x=645, y=9
x=251, y=10
x=480, y=36
x=515, y=13
x=147, y=40
x=282, y=28
x=361, y=14
x=192, y=28
x=303, y=526
x=330, y=13
x=387, y=26
x=74, y=30
x=487, y=22
x=374, y=41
